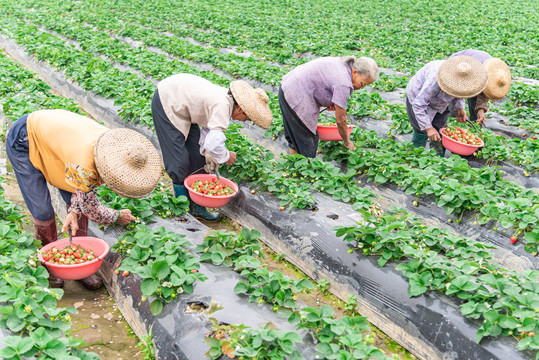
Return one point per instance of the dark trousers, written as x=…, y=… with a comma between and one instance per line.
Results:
x=181, y=157
x=31, y=181
x=298, y=136
x=439, y=121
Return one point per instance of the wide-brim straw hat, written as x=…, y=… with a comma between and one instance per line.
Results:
x=499, y=78
x=253, y=102
x=462, y=77
x=127, y=162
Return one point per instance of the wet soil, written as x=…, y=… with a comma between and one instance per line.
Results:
x=99, y=323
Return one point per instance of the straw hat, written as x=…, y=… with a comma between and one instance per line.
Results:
x=462, y=77
x=127, y=162
x=499, y=78
x=254, y=102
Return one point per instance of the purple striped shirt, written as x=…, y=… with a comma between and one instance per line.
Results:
x=320, y=82
x=426, y=97
x=476, y=54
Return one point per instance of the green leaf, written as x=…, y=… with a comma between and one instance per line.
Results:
x=156, y=307
x=241, y=287
x=148, y=286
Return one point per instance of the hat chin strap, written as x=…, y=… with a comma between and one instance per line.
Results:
x=136, y=155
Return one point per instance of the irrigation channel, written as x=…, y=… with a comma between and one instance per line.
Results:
x=429, y=325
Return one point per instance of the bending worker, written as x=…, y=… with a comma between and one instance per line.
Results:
x=190, y=115
x=433, y=88
x=76, y=154
x=498, y=83
x=325, y=82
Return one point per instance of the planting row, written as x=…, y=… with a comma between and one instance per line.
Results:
x=306, y=199
x=361, y=104
x=463, y=208
x=394, y=38
x=169, y=270
x=498, y=148
x=326, y=175
x=234, y=65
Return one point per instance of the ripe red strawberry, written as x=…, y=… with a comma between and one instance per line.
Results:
x=514, y=239
x=534, y=137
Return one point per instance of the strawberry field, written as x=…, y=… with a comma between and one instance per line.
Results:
x=438, y=253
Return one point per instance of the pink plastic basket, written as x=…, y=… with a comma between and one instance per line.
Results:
x=76, y=271
x=458, y=147
x=331, y=133
x=210, y=201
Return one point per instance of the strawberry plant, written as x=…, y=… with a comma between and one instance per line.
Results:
x=434, y=259
x=272, y=287
x=160, y=201
x=162, y=260
x=338, y=338
x=230, y=249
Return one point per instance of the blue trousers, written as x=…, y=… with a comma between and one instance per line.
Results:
x=31, y=181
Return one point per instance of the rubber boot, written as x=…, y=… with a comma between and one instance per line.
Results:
x=92, y=282
x=419, y=140
x=200, y=212
x=438, y=147
x=46, y=233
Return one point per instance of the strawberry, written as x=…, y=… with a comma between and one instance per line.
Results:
x=514, y=239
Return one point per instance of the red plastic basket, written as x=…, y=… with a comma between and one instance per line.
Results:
x=76, y=271
x=331, y=133
x=210, y=201
x=458, y=147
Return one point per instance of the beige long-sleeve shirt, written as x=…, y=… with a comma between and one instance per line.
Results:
x=188, y=99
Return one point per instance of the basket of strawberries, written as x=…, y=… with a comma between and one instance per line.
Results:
x=460, y=141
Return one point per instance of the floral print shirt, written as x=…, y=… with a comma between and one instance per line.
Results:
x=84, y=200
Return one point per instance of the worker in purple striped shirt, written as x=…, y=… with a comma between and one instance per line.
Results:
x=433, y=88
x=498, y=83
x=324, y=82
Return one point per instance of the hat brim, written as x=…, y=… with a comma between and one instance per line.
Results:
x=253, y=102
x=115, y=165
x=462, y=77
x=499, y=79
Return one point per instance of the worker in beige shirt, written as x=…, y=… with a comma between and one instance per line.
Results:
x=190, y=115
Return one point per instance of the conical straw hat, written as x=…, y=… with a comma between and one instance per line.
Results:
x=254, y=102
x=462, y=77
x=499, y=79
x=127, y=162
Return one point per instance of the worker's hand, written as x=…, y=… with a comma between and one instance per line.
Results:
x=125, y=217
x=71, y=223
x=211, y=165
x=232, y=158
x=480, y=117
x=349, y=145
x=331, y=107
x=461, y=115
x=433, y=134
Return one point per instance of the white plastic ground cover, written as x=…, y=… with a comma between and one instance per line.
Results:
x=430, y=326
x=104, y=110
x=177, y=334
